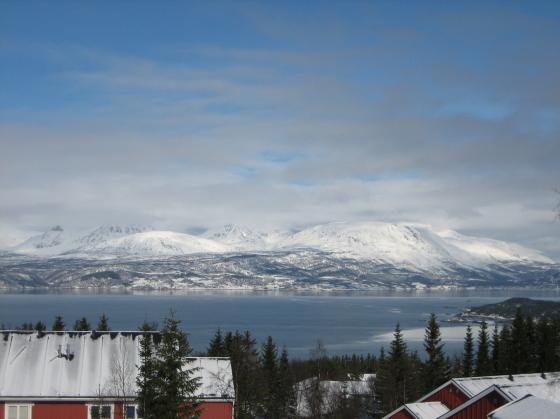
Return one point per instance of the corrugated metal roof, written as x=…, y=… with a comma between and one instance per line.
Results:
x=474, y=385
x=85, y=365
x=428, y=410
x=528, y=407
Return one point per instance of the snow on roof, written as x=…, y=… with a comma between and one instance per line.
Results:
x=474, y=385
x=428, y=410
x=528, y=407
x=84, y=365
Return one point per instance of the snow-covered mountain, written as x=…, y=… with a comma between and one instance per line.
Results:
x=413, y=247
x=243, y=238
x=361, y=255
x=51, y=242
x=159, y=243
x=410, y=246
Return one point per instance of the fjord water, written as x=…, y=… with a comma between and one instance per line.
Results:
x=346, y=322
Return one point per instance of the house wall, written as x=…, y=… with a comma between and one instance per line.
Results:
x=53, y=410
x=59, y=411
x=449, y=395
x=481, y=408
x=221, y=410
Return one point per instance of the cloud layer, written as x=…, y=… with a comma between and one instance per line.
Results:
x=286, y=118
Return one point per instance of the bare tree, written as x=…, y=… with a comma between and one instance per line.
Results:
x=121, y=386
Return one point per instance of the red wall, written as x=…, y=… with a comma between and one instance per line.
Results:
x=53, y=410
x=450, y=396
x=59, y=411
x=481, y=408
x=401, y=414
x=216, y=410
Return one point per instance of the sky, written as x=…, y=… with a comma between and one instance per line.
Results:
x=191, y=115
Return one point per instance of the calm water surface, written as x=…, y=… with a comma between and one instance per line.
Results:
x=351, y=322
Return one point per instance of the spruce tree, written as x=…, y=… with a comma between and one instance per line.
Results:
x=286, y=397
x=483, y=363
x=269, y=365
x=148, y=378
x=520, y=353
x=468, y=356
x=58, y=325
x=82, y=325
x=103, y=324
x=394, y=385
x=217, y=345
x=178, y=385
x=436, y=369
x=505, y=359
x=495, y=350
x=40, y=326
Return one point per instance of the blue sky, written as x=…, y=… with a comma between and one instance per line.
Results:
x=187, y=115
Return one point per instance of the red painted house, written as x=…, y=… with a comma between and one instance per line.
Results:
x=477, y=397
x=79, y=375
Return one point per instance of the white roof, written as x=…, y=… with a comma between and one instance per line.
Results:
x=422, y=410
x=84, y=365
x=429, y=410
x=528, y=407
x=474, y=385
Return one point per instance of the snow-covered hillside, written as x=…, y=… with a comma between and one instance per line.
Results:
x=412, y=247
x=160, y=243
x=245, y=239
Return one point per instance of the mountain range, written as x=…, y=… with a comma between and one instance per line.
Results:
x=341, y=254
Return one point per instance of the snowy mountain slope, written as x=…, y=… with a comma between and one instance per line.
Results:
x=102, y=234
x=412, y=247
x=58, y=241
x=491, y=250
x=159, y=243
x=51, y=242
x=242, y=238
x=403, y=245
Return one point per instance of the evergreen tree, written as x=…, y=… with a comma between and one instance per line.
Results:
x=58, y=325
x=103, y=324
x=468, y=355
x=178, y=386
x=505, y=362
x=82, y=325
x=436, y=369
x=495, y=350
x=217, y=345
x=148, y=379
x=483, y=363
x=394, y=385
x=531, y=330
x=269, y=365
x=520, y=352
x=286, y=397
x=40, y=326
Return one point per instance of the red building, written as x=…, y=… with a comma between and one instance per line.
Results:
x=477, y=397
x=79, y=375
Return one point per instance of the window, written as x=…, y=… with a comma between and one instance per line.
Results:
x=101, y=412
x=130, y=412
x=21, y=411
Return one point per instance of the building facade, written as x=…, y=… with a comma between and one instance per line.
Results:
x=89, y=375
